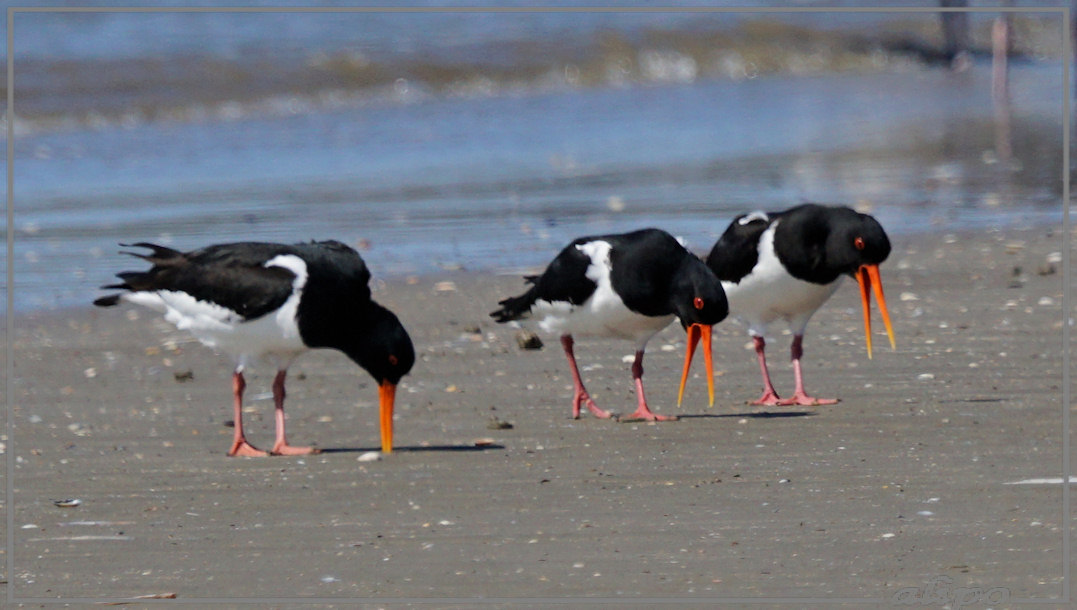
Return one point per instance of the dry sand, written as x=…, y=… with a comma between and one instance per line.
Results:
x=903, y=484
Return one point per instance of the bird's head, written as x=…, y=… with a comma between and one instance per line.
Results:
x=383, y=348
x=856, y=240
x=857, y=244
x=698, y=297
x=700, y=303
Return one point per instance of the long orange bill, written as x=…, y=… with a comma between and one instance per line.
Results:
x=708, y=359
x=386, y=399
x=695, y=332
x=868, y=278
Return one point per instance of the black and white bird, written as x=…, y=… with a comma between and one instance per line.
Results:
x=272, y=302
x=628, y=285
x=785, y=265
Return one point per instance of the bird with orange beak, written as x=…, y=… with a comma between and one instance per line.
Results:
x=269, y=303
x=785, y=265
x=627, y=286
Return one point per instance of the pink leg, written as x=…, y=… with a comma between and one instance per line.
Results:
x=769, y=397
x=642, y=410
x=240, y=446
x=281, y=447
x=800, y=397
x=579, y=394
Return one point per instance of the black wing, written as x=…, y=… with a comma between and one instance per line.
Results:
x=800, y=241
x=736, y=252
x=230, y=275
x=644, y=264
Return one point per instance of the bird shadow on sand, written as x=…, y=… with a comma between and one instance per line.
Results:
x=418, y=449
x=751, y=415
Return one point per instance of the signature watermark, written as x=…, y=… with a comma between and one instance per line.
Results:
x=939, y=591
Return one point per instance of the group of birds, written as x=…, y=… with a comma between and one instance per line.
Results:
x=271, y=302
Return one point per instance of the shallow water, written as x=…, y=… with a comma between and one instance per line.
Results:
x=475, y=172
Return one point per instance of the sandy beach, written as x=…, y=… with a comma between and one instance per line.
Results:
x=903, y=491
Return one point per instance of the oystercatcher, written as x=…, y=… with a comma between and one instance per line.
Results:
x=628, y=285
x=272, y=302
x=785, y=265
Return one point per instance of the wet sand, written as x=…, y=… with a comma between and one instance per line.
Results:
x=903, y=484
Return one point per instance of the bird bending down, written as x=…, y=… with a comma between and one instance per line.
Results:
x=785, y=265
x=272, y=302
x=630, y=286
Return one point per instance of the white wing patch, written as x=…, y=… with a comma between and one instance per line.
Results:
x=275, y=337
x=294, y=264
x=599, y=269
x=753, y=216
x=285, y=316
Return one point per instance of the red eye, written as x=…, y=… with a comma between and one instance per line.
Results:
x=698, y=303
x=392, y=360
x=859, y=243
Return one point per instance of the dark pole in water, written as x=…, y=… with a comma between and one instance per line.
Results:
x=955, y=34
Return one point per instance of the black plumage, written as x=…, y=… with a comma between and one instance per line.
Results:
x=628, y=285
x=785, y=265
x=258, y=300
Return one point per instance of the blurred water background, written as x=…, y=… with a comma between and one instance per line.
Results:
x=438, y=142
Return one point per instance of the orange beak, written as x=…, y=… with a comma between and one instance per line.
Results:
x=386, y=399
x=695, y=332
x=868, y=278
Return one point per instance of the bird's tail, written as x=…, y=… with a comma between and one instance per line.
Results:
x=161, y=254
x=138, y=280
x=515, y=308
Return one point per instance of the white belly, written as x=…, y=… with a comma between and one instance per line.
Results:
x=770, y=293
x=602, y=315
x=273, y=338
x=598, y=317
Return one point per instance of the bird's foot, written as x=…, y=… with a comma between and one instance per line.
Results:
x=768, y=399
x=644, y=414
x=286, y=449
x=591, y=406
x=241, y=448
x=599, y=413
x=802, y=399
